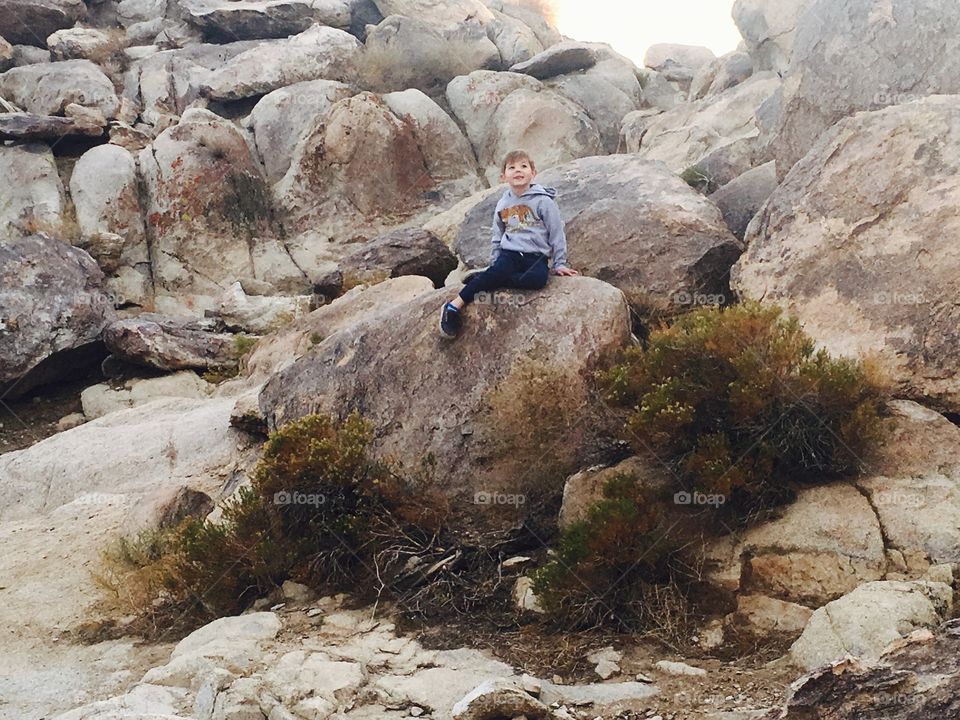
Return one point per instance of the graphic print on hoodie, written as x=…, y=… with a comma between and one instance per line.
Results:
x=530, y=223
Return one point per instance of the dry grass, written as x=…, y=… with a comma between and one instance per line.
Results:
x=388, y=67
x=535, y=419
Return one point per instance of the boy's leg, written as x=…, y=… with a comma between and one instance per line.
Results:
x=531, y=274
x=492, y=278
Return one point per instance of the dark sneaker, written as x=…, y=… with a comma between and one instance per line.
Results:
x=450, y=321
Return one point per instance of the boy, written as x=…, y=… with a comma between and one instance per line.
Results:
x=527, y=230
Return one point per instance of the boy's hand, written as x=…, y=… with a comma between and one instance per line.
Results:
x=566, y=271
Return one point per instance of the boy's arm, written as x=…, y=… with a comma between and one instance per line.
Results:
x=498, y=229
x=555, y=234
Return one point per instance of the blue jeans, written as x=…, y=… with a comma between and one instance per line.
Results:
x=512, y=269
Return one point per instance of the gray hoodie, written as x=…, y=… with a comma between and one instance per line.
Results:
x=530, y=223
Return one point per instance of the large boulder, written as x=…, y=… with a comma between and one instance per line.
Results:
x=721, y=74
x=163, y=85
x=659, y=56
x=675, y=250
x=564, y=57
x=209, y=216
x=826, y=543
x=916, y=678
x=741, y=199
x=545, y=32
x=53, y=308
x=584, y=489
x=852, y=55
x=867, y=620
x=898, y=520
x=446, y=152
x=67, y=499
x=253, y=19
x=28, y=126
x=366, y=168
x=516, y=41
x=167, y=343
x=83, y=44
x=914, y=487
x=116, y=472
x=31, y=194
x=102, y=399
x=413, y=52
x=278, y=350
x=555, y=336
x=133, y=12
x=105, y=191
x=29, y=22
x=438, y=12
x=259, y=314
x=682, y=136
x=768, y=27
x=6, y=55
x=856, y=243
x=504, y=111
x=281, y=118
x=48, y=88
x=659, y=94
x=607, y=90
x=408, y=251
x=320, y=52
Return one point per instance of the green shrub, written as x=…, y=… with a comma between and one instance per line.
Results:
x=616, y=566
x=318, y=511
x=739, y=401
x=699, y=181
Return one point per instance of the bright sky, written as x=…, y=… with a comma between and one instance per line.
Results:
x=631, y=26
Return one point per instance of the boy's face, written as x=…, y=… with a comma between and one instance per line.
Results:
x=518, y=174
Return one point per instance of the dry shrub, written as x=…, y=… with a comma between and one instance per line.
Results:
x=388, y=66
x=741, y=403
x=538, y=419
x=619, y=566
x=318, y=511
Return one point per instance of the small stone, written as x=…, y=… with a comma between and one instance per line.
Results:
x=416, y=711
x=274, y=608
x=643, y=678
x=679, y=668
x=68, y=422
x=940, y=573
x=296, y=592
x=514, y=561
x=531, y=684
x=606, y=669
x=524, y=598
x=313, y=612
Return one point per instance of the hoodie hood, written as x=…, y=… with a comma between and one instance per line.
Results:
x=537, y=189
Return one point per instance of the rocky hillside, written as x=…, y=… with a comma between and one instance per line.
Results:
x=220, y=216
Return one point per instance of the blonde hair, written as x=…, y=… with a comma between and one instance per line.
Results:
x=515, y=155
